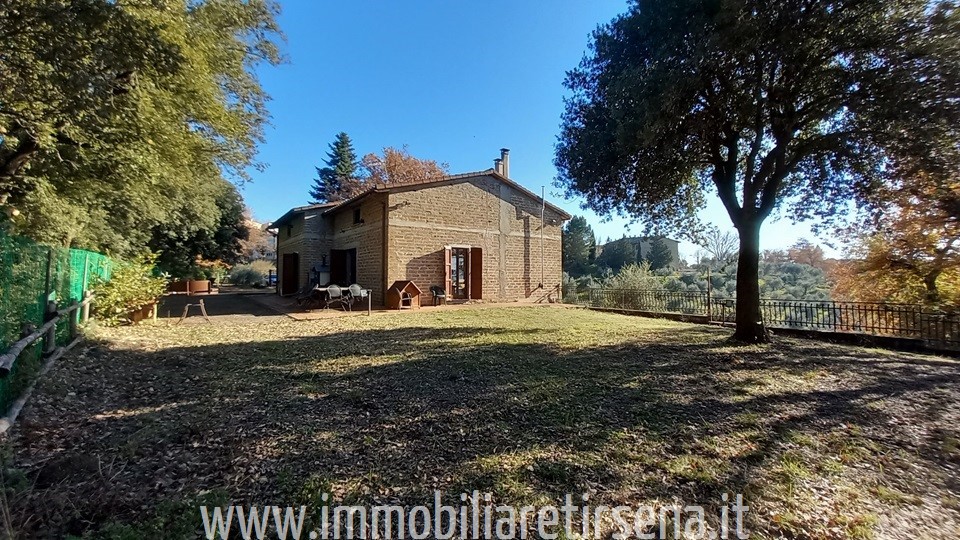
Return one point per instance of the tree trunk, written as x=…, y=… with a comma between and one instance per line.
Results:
x=930, y=282
x=750, y=327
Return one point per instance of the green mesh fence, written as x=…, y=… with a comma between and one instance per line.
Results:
x=30, y=275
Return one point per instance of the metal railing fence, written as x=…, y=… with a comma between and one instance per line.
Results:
x=938, y=329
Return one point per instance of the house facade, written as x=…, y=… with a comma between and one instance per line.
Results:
x=479, y=235
x=643, y=245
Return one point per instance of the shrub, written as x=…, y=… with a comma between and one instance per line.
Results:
x=576, y=289
x=218, y=272
x=263, y=266
x=132, y=286
x=246, y=275
x=636, y=276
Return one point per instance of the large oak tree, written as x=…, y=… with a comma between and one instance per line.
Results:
x=798, y=102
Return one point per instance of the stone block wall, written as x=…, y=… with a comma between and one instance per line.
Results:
x=477, y=212
x=310, y=236
x=366, y=238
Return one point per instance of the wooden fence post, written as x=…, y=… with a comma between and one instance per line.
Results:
x=50, y=339
x=709, y=296
x=85, y=310
x=46, y=284
x=74, y=316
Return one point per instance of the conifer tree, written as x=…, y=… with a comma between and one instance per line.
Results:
x=659, y=255
x=338, y=180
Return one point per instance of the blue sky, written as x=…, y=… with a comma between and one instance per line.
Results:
x=454, y=80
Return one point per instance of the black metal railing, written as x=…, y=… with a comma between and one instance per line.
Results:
x=939, y=329
x=687, y=303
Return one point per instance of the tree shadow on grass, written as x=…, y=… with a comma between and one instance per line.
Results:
x=394, y=414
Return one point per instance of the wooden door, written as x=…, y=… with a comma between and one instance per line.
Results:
x=343, y=267
x=290, y=278
x=338, y=267
x=476, y=273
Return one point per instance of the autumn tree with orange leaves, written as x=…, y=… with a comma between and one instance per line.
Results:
x=398, y=166
x=911, y=251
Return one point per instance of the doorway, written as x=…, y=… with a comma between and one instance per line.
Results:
x=459, y=273
x=290, y=277
x=343, y=267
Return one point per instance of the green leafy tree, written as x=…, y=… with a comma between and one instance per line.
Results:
x=660, y=255
x=117, y=117
x=338, y=180
x=617, y=254
x=763, y=102
x=579, y=247
x=181, y=246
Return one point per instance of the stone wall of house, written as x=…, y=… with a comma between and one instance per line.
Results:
x=477, y=212
x=534, y=263
x=366, y=238
x=310, y=236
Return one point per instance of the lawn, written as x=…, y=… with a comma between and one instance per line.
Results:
x=128, y=433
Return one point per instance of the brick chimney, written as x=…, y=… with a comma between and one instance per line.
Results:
x=505, y=162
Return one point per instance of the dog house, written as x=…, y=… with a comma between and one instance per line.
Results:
x=403, y=294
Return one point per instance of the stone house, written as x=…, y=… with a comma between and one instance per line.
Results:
x=643, y=245
x=479, y=235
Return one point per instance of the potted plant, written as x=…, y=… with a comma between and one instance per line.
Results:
x=132, y=293
x=199, y=282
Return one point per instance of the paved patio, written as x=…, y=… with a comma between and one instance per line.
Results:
x=223, y=307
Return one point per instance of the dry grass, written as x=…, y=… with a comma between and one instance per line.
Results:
x=528, y=403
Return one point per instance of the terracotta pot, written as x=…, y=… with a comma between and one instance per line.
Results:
x=146, y=312
x=195, y=286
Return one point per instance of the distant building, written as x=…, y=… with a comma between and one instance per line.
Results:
x=260, y=244
x=642, y=246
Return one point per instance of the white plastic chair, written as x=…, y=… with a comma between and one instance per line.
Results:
x=335, y=297
x=357, y=294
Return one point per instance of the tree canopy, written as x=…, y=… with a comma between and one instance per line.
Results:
x=183, y=247
x=617, y=254
x=803, y=101
x=338, y=179
x=659, y=255
x=910, y=250
x=120, y=117
x=579, y=247
x=398, y=166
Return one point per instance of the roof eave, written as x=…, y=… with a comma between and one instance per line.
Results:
x=298, y=210
x=556, y=209
x=383, y=188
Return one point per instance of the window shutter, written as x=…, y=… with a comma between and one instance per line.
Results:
x=446, y=271
x=476, y=273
